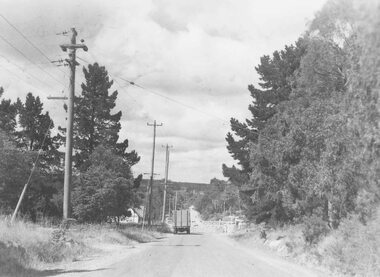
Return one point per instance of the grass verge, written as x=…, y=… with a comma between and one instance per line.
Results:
x=351, y=250
x=26, y=248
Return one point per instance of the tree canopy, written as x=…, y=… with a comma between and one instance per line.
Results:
x=310, y=148
x=94, y=122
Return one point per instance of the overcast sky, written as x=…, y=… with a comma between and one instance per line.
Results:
x=201, y=53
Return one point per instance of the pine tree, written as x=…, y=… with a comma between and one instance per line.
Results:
x=8, y=113
x=34, y=124
x=276, y=76
x=94, y=122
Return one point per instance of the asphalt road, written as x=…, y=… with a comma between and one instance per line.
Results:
x=197, y=255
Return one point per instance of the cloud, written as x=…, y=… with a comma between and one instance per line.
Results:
x=167, y=22
x=198, y=53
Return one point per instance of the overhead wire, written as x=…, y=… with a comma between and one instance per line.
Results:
x=120, y=87
x=31, y=61
x=30, y=42
x=132, y=83
x=193, y=108
x=38, y=49
x=23, y=70
x=117, y=82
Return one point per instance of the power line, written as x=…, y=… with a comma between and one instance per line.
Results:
x=117, y=82
x=21, y=34
x=21, y=69
x=39, y=50
x=185, y=105
x=17, y=76
x=28, y=40
x=26, y=57
x=171, y=99
x=181, y=103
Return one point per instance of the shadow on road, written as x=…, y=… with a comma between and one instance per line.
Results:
x=55, y=272
x=185, y=234
x=177, y=245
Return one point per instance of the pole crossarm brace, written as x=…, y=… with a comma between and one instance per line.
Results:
x=155, y=124
x=155, y=174
x=66, y=46
x=57, y=98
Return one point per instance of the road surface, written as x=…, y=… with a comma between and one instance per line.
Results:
x=204, y=252
x=193, y=255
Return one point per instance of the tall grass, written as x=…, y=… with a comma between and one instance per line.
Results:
x=353, y=249
x=26, y=247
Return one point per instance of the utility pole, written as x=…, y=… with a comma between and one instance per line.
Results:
x=70, y=115
x=175, y=201
x=170, y=199
x=166, y=180
x=155, y=125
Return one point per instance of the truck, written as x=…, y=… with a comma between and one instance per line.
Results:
x=181, y=221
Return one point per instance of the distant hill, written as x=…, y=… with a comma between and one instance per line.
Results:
x=177, y=185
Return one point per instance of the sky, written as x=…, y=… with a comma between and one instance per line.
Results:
x=193, y=61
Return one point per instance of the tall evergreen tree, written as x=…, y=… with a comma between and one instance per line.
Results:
x=8, y=113
x=276, y=75
x=94, y=122
x=34, y=124
x=34, y=131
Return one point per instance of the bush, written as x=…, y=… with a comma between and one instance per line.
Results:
x=24, y=245
x=354, y=248
x=314, y=229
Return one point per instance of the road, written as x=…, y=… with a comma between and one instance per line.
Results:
x=201, y=253
x=194, y=255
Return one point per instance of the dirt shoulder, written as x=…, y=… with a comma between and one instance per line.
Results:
x=28, y=249
x=103, y=257
x=276, y=244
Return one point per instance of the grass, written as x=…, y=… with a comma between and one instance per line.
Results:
x=26, y=248
x=351, y=250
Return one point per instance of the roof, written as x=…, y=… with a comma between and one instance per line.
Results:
x=139, y=211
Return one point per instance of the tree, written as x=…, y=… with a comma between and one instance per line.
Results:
x=16, y=165
x=302, y=163
x=8, y=113
x=94, y=124
x=35, y=129
x=276, y=75
x=34, y=124
x=15, y=169
x=362, y=104
x=106, y=189
x=219, y=197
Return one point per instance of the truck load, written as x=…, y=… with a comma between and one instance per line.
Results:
x=181, y=221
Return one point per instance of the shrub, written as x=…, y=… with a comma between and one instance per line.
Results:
x=354, y=248
x=314, y=229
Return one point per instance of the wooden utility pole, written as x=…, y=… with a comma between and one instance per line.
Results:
x=175, y=201
x=70, y=115
x=170, y=199
x=166, y=180
x=155, y=125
